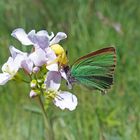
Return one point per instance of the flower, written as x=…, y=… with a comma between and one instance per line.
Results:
x=24, y=61
x=36, y=69
x=38, y=57
x=62, y=99
x=9, y=70
x=46, y=66
x=41, y=39
x=35, y=59
x=65, y=100
x=18, y=59
x=32, y=93
x=59, y=36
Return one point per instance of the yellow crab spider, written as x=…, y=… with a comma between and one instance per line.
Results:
x=61, y=54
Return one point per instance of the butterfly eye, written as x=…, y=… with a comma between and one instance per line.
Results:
x=66, y=53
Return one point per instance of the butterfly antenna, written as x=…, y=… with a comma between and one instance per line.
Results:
x=66, y=52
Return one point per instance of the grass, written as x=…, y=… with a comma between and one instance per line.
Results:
x=115, y=116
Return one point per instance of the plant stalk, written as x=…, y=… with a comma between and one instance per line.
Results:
x=49, y=130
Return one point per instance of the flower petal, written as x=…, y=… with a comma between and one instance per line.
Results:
x=40, y=39
x=51, y=36
x=45, y=33
x=18, y=56
x=51, y=64
x=15, y=51
x=9, y=66
x=59, y=36
x=38, y=57
x=18, y=60
x=12, y=65
x=32, y=93
x=4, y=78
x=66, y=100
x=36, y=69
x=52, y=67
x=27, y=65
x=53, y=80
x=21, y=35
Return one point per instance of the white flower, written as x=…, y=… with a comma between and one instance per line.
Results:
x=63, y=99
x=59, y=36
x=52, y=64
x=41, y=39
x=17, y=60
x=35, y=59
x=36, y=69
x=9, y=70
x=17, y=53
x=38, y=57
x=33, y=93
x=53, y=80
x=4, y=78
x=23, y=60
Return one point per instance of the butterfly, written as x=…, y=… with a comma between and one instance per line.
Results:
x=94, y=70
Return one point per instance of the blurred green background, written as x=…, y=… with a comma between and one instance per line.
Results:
x=90, y=25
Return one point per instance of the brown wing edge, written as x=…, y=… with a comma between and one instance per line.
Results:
x=98, y=52
x=112, y=50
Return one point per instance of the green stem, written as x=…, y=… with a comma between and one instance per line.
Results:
x=49, y=130
x=48, y=125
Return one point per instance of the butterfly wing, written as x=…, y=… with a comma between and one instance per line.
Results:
x=96, y=69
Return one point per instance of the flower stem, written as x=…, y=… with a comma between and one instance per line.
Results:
x=49, y=130
x=48, y=126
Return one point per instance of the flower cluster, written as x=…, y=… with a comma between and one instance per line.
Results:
x=44, y=65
